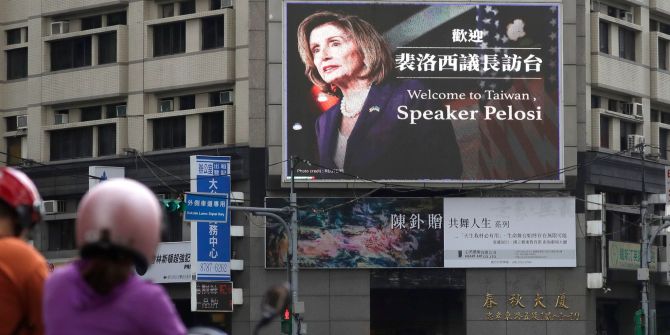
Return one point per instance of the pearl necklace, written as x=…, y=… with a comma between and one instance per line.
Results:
x=345, y=112
x=343, y=105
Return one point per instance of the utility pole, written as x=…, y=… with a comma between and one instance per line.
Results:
x=292, y=234
x=293, y=204
x=643, y=272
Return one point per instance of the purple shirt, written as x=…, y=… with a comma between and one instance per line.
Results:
x=72, y=307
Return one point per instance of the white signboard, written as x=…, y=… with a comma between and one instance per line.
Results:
x=103, y=173
x=667, y=190
x=509, y=232
x=172, y=263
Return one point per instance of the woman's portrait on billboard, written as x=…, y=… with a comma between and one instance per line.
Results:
x=362, y=134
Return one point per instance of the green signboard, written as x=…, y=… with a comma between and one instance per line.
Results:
x=626, y=256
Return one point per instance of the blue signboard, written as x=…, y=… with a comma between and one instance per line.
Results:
x=211, y=207
x=210, y=182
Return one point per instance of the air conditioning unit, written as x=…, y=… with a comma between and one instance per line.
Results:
x=225, y=97
x=22, y=122
x=166, y=106
x=60, y=27
x=120, y=111
x=226, y=4
x=53, y=206
x=633, y=109
x=61, y=118
x=634, y=142
x=628, y=16
x=637, y=109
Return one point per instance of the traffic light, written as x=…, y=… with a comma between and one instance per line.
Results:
x=639, y=322
x=173, y=205
x=286, y=321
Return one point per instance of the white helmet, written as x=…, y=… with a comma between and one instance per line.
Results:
x=120, y=214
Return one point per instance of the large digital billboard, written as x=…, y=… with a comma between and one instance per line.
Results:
x=428, y=233
x=444, y=92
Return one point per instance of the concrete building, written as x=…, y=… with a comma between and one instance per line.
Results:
x=145, y=84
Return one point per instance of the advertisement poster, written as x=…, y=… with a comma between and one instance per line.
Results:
x=627, y=256
x=427, y=233
x=510, y=232
x=172, y=263
x=371, y=232
x=407, y=92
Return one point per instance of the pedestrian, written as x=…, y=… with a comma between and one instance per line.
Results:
x=117, y=231
x=23, y=270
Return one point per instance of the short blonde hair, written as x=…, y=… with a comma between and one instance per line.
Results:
x=372, y=46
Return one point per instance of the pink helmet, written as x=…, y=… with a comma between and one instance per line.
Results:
x=120, y=214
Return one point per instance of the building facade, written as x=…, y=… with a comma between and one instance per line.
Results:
x=145, y=84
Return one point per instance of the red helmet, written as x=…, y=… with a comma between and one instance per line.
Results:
x=120, y=214
x=19, y=192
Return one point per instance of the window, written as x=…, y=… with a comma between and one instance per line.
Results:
x=663, y=143
x=91, y=22
x=216, y=4
x=114, y=19
x=91, y=113
x=626, y=128
x=71, y=53
x=662, y=54
x=167, y=10
x=595, y=101
x=107, y=140
x=13, y=36
x=169, y=38
x=107, y=48
x=14, y=150
x=11, y=123
x=212, y=32
x=169, y=132
x=604, y=132
x=604, y=37
x=17, y=63
x=116, y=110
x=187, y=7
x=212, y=128
x=71, y=143
x=187, y=102
x=61, y=235
x=626, y=43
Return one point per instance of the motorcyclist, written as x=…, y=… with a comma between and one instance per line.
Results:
x=117, y=231
x=23, y=270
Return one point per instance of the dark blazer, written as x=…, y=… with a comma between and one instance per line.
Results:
x=381, y=146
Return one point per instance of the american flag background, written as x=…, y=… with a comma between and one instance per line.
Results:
x=519, y=150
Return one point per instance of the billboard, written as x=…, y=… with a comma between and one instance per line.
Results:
x=423, y=91
x=172, y=263
x=626, y=256
x=427, y=233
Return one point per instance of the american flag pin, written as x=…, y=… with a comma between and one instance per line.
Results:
x=374, y=109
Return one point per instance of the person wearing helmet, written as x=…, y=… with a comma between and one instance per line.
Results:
x=117, y=226
x=22, y=269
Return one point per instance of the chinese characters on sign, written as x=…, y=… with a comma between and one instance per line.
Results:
x=509, y=232
x=426, y=62
x=213, y=296
x=515, y=308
